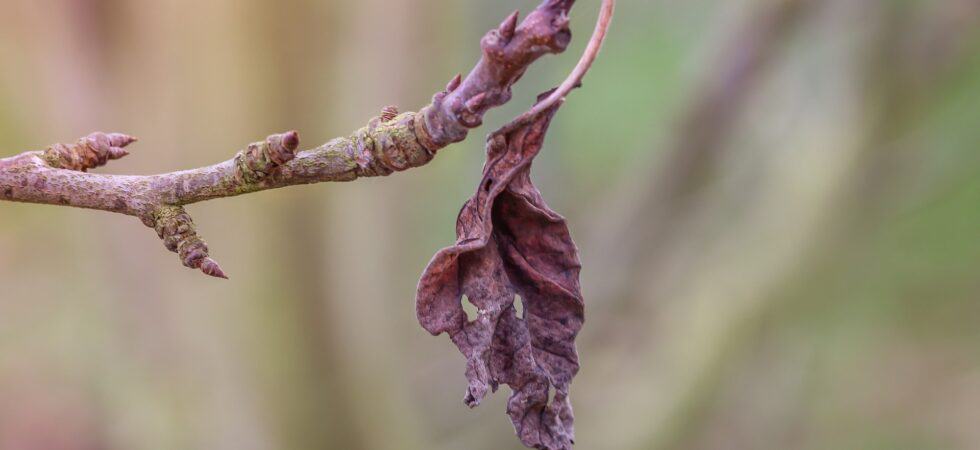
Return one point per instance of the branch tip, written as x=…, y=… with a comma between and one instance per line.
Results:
x=176, y=228
x=508, y=27
x=454, y=83
x=89, y=152
x=260, y=159
x=291, y=140
x=281, y=148
x=211, y=268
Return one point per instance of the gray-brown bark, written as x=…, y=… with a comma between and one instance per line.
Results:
x=389, y=143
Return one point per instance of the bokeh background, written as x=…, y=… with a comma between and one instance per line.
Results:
x=777, y=204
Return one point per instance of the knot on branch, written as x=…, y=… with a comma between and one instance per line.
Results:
x=89, y=152
x=176, y=228
x=440, y=128
x=260, y=159
x=393, y=145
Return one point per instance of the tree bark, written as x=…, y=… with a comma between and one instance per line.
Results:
x=389, y=143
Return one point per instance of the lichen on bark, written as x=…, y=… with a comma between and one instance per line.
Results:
x=179, y=234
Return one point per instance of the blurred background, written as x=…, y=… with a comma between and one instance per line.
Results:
x=777, y=204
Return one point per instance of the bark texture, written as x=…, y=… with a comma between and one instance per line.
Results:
x=389, y=143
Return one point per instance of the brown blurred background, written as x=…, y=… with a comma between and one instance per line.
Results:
x=777, y=204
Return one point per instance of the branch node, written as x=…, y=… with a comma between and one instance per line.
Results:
x=388, y=113
x=89, y=152
x=176, y=228
x=423, y=136
x=546, y=32
x=260, y=159
x=387, y=146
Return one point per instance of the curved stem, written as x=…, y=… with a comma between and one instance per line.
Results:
x=574, y=78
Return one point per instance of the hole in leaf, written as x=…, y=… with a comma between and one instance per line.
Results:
x=488, y=185
x=519, y=306
x=469, y=308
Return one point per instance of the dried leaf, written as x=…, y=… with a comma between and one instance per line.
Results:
x=510, y=243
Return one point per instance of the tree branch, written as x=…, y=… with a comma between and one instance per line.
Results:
x=574, y=78
x=389, y=143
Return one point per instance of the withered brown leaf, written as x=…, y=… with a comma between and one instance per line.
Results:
x=509, y=243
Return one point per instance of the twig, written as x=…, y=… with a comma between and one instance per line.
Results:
x=390, y=143
x=574, y=78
